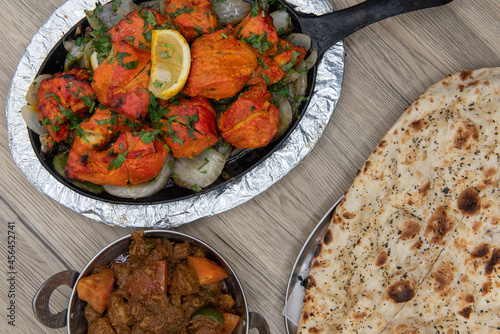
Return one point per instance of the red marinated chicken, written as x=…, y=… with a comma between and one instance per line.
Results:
x=221, y=65
x=132, y=159
x=122, y=79
x=64, y=100
x=251, y=121
x=191, y=127
x=192, y=17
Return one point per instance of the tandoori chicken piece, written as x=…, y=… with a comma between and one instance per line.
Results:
x=251, y=121
x=192, y=17
x=136, y=28
x=64, y=101
x=267, y=73
x=257, y=30
x=121, y=81
x=190, y=126
x=220, y=67
x=288, y=54
x=130, y=160
x=96, y=132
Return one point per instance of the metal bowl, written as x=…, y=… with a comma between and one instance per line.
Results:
x=74, y=316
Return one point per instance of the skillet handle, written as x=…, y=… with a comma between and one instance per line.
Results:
x=328, y=29
x=42, y=298
x=258, y=322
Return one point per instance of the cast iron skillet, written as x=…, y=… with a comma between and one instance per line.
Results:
x=324, y=30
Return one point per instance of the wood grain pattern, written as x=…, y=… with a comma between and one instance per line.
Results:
x=388, y=65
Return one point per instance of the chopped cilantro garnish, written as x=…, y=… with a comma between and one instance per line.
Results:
x=255, y=9
x=116, y=4
x=164, y=55
x=148, y=136
x=54, y=96
x=259, y=42
x=288, y=66
x=206, y=161
x=119, y=160
x=130, y=65
x=185, y=10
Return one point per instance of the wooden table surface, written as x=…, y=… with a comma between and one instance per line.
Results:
x=387, y=66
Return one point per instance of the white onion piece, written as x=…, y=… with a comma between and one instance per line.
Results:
x=281, y=20
x=291, y=76
x=311, y=60
x=127, y=6
x=201, y=171
x=231, y=11
x=87, y=53
x=30, y=116
x=32, y=94
x=77, y=52
x=143, y=189
x=69, y=44
x=163, y=7
x=153, y=4
x=286, y=116
x=301, y=82
x=44, y=143
x=298, y=39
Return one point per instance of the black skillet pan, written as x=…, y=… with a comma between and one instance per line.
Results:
x=324, y=30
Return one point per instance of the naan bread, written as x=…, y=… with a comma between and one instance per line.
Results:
x=414, y=246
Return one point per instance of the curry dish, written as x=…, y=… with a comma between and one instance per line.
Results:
x=158, y=287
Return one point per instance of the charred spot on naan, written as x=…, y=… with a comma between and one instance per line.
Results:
x=481, y=251
x=494, y=260
x=381, y=259
x=466, y=312
x=409, y=230
x=466, y=135
x=486, y=288
x=443, y=278
x=400, y=292
x=469, y=202
x=328, y=238
x=438, y=225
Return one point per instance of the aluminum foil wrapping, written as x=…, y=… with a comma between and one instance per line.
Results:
x=301, y=141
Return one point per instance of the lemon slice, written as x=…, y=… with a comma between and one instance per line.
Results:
x=94, y=61
x=170, y=63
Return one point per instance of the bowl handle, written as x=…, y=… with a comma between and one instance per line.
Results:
x=42, y=298
x=257, y=321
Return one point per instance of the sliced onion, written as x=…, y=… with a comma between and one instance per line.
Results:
x=291, y=76
x=32, y=94
x=286, y=116
x=153, y=4
x=231, y=11
x=69, y=44
x=163, y=7
x=77, y=53
x=87, y=53
x=301, y=82
x=282, y=21
x=44, y=143
x=143, y=189
x=302, y=40
x=311, y=60
x=30, y=116
x=199, y=172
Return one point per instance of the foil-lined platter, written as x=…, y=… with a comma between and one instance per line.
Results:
x=283, y=159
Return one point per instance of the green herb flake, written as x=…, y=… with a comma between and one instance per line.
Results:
x=119, y=160
x=116, y=4
x=130, y=65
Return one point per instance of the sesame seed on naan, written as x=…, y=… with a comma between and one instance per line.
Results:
x=415, y=244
